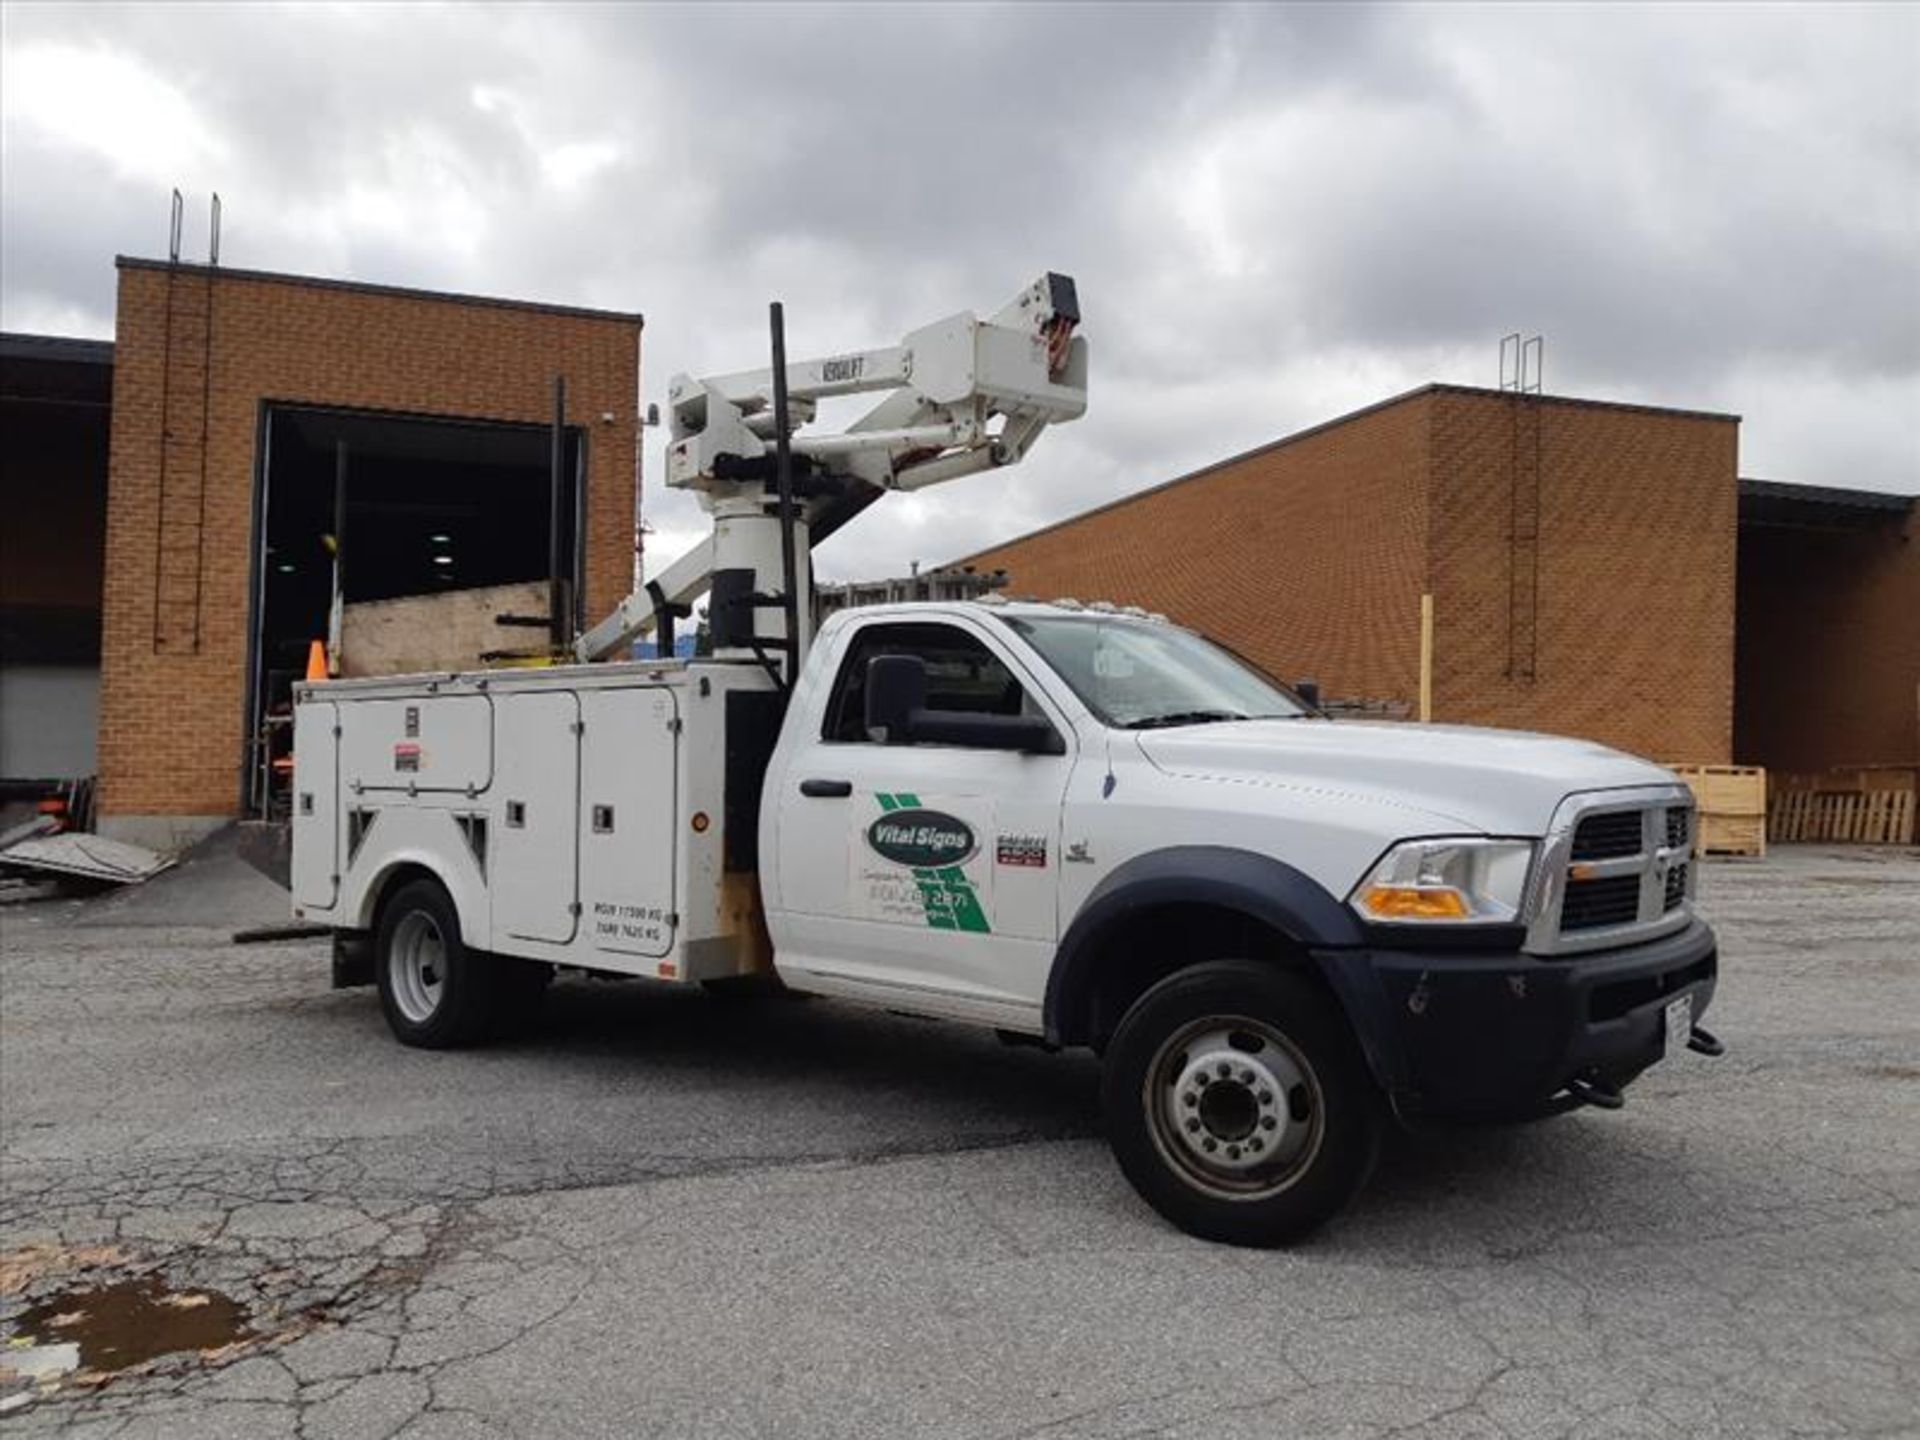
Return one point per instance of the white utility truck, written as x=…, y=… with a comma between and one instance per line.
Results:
x=1077, y=824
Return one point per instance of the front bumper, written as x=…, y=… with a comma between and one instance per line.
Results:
x=1467, y=1034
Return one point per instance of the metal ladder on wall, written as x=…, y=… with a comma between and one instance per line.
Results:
x=1523, y=513
x=186, y=395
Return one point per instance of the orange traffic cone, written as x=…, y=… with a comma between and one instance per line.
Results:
x=317, y=660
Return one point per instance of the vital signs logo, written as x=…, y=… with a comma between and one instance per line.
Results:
x=923, y=839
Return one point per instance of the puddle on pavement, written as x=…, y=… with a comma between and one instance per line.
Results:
x=112, y=1327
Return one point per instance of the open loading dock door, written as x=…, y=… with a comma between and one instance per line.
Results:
x=385, y=506
x=55, y=400
x=1827, y=651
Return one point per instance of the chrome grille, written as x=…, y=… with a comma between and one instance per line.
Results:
x=1679, y=826
x=1676, y=887
x=1608, y=836
x=1591, y=904
x=1614, y=871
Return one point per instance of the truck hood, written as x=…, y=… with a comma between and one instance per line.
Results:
x=1498, y=781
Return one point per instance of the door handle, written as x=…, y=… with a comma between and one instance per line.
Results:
x=827, y=789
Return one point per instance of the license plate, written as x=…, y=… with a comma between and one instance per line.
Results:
x=1679, y=1023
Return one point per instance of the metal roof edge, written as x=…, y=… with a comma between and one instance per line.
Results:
x=1582, y=402
x=1887, y=500
x=365, y=287
x=68, y=349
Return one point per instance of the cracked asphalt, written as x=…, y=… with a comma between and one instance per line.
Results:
x=668, y=1215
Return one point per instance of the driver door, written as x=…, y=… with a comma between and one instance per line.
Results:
x=925, y=876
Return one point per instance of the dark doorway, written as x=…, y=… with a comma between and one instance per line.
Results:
x=1826, y=649
x=55, y=402
x=429, y=505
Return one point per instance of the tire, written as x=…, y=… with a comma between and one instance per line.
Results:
x=1265, y=1153
x=436, y=993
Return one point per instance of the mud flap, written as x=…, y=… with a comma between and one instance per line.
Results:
x=352, y=959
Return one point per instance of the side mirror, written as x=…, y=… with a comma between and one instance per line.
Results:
x=1309, y=691
x=896, y=687
x=1027, y=734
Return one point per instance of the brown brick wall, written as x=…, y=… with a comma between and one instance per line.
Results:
x=1310, y=557
x=1307, y=557
x=1829, y=650
x=1627, y=634
x=171, y=723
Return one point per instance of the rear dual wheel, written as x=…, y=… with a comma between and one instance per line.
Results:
x=436, y=993
x=1238, y=1104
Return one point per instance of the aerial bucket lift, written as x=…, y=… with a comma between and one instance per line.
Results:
x=962, y=395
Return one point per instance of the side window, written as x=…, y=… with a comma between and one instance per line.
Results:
x=962, y=674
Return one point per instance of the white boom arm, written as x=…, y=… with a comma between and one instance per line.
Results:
x=964, y=395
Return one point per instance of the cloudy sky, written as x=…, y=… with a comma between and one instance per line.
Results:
x=1274, y=213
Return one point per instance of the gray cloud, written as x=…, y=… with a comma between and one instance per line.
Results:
x=1275, y=213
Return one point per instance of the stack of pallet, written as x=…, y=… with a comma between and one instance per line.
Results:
x=1863, y=805
x=1732, y=801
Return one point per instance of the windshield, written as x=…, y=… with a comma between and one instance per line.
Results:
x=1139, y=675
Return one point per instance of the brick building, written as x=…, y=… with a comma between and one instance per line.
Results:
x=263, y=428
x=1584, y=563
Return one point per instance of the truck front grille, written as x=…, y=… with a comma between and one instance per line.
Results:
x=1676, y=887
x=1627, y=871
x=1679, y=826
x=1591, y=904
x=1608, y=836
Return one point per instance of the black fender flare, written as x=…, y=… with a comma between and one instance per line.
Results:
x=1329, y=936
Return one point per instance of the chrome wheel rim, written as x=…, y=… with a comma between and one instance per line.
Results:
x=1234, y=1107
x=417, y=966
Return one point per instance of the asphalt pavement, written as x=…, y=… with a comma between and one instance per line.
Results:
x=668, y=1215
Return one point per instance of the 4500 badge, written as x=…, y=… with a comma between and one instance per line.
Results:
x=932, y=846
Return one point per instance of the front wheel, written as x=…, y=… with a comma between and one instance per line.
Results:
x=1238, y=1105
x=436, y=993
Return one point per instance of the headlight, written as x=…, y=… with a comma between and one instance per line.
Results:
x=1447, y=882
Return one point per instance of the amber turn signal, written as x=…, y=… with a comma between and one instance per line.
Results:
x=1415, y=902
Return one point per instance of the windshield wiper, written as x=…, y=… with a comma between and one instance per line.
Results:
x=1184, y=717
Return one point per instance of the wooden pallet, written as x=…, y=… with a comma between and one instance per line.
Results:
x=1848, y=777
x=1733, y=834
x=1732, y=801
x=1857, y=817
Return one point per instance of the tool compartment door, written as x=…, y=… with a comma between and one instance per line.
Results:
x=421, y=745
x=535, y=866
x=629, y=819
x=316, y=805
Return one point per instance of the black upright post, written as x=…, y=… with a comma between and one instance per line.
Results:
x=336, y=610
x=339, y=519
x=558, y=606
x=783, y=480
